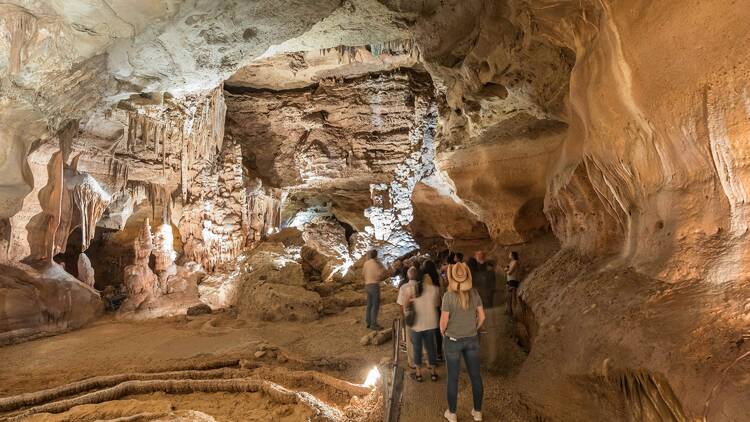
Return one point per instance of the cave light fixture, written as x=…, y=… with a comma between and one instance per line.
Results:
x=372, y=377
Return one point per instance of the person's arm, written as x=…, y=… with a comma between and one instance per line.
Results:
x=512, y=266
x=480, y=317
x=443, y=322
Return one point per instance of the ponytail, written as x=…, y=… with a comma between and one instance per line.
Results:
x=463, y=299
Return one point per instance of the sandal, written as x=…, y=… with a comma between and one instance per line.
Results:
x=417, y=377
x=434, y=377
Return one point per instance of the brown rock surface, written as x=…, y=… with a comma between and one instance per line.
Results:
x=37, y=304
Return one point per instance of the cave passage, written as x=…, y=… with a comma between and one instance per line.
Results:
x=220, y=210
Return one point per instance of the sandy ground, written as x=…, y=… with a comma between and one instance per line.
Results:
x=332, y=343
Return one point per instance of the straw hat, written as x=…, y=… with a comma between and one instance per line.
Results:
x=459, y=277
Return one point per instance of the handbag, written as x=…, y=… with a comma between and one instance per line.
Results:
x=410, y=316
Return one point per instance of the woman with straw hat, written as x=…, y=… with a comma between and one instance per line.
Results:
x=462, y=315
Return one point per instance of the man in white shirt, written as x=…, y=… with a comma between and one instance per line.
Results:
x=373, y=272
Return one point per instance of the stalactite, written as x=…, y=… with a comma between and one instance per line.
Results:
x=342, y=52
x=137, y=190
x=188, y=140
x=118, y=170
x=22, y=28
x=183, y=167
x=393, y=48
x=144, y=130
x=90, y=201
x=131, y=128
x=264, y=212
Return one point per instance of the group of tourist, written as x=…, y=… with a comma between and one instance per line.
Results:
x=442, y=303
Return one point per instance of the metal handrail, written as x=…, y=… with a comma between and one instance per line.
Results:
x=395, y=384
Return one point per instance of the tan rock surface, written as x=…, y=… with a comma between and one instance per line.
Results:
x=38, y=304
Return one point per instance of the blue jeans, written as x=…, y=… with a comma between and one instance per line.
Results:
x=373, y=304
x=467, y=347
x=426, y=337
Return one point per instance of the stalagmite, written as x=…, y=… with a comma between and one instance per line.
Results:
x=52, y=204
x=140, y=281
x=164, y=255
x=263, y=210
x=85, y=270
x=214, y=223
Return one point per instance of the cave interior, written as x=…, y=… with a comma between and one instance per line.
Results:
x=189, y=189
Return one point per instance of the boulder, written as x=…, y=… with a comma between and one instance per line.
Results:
x=45, y=303
x=200, y=309
x=349, y=298
x=274, y=302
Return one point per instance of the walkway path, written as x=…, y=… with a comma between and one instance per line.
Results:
x=427, y=401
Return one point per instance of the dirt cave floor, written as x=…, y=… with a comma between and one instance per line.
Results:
x=329, y=345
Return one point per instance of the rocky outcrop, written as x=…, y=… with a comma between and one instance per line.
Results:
x=43, y=303
x=638, y=161
x=85, y=270
x=170, y=291
x=271, y=286
x=653, y=363
x=141, y=283
x=440, y=214
x=340, y=147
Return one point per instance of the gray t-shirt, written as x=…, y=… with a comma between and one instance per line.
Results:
x=461, y=322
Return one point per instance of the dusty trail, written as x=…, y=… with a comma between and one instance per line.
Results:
x=329, y=345
x=427, y=401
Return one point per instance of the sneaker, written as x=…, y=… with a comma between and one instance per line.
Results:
x=451, y=417
x=476, y=415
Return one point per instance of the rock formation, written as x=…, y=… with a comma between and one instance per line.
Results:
x=214, y=223
x=297, y=140
x=141, y=283
x=85, y=270
x=39, y=303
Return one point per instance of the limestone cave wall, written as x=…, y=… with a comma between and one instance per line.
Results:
x=351, y=149
x=641, y=176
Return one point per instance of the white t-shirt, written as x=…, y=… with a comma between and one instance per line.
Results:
x=425, y=306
